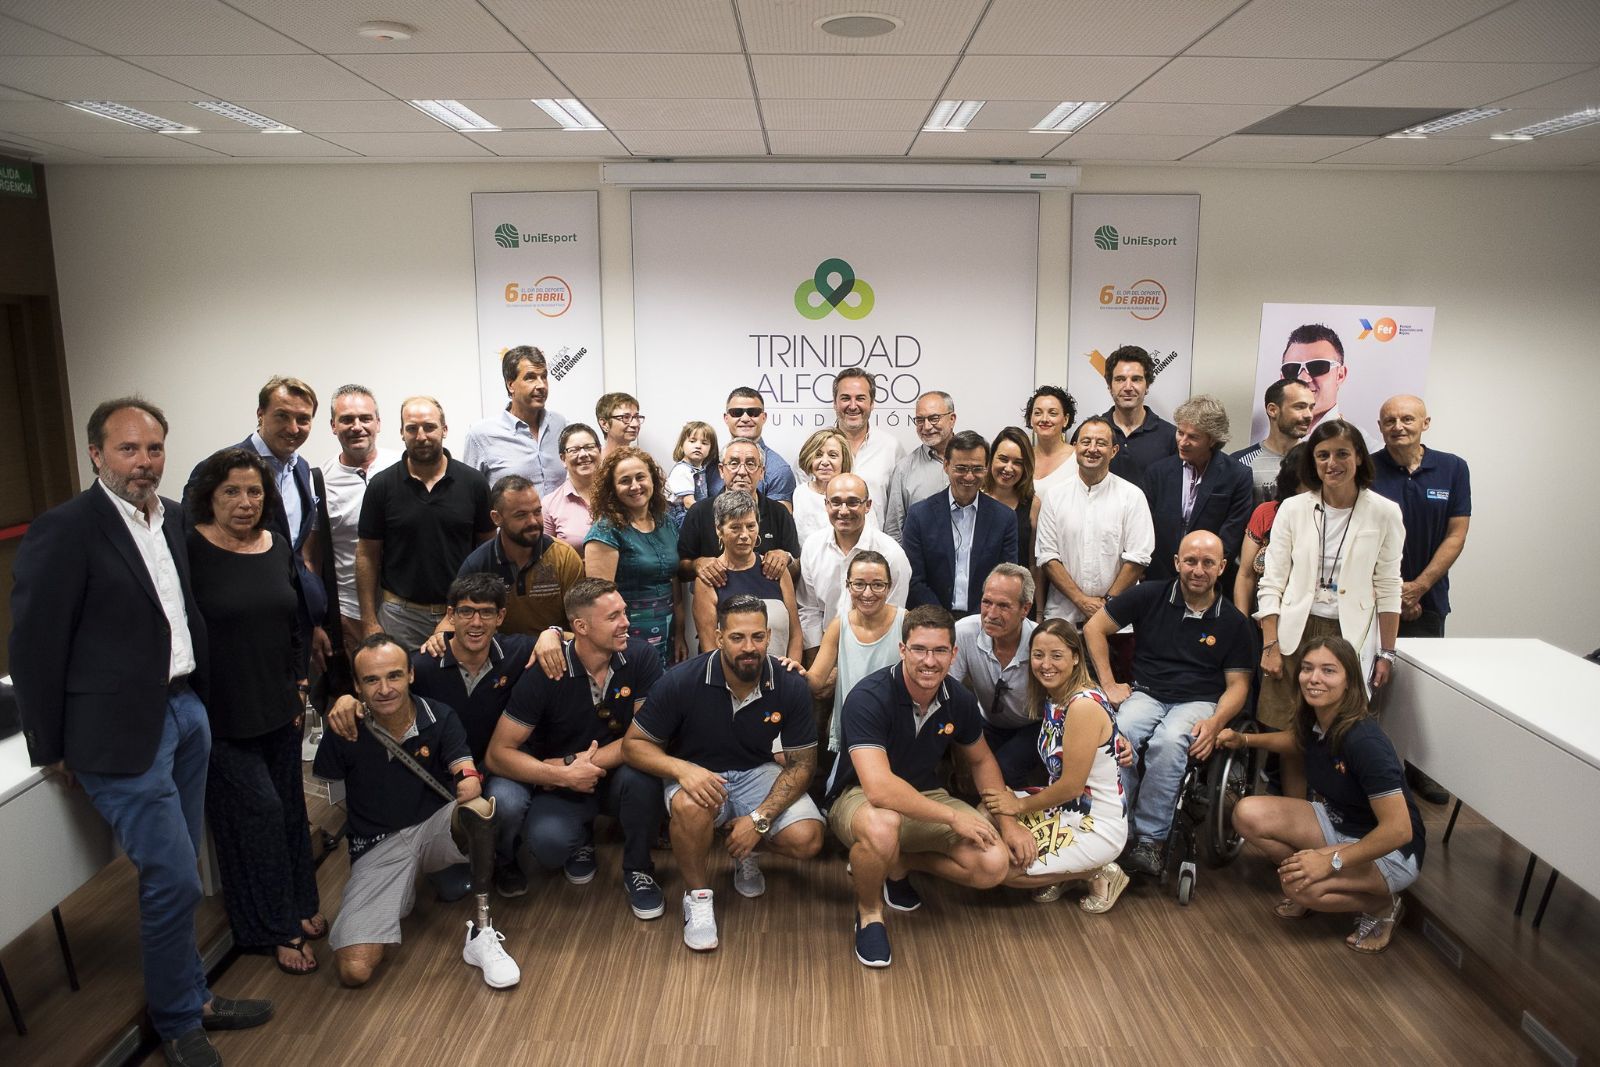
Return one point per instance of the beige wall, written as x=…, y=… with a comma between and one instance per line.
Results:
x=191, y=283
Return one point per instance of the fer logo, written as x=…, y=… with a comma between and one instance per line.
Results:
x=1382, y=330
x=834, y=295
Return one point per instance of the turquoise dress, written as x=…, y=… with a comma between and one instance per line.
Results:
x=646, y=563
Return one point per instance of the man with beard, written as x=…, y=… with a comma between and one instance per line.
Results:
x=353, y=417
x=420, y=518
x=1142, y=437
x=1288, y=403
x=719, y=770
x=522, y=437
x=538, y=569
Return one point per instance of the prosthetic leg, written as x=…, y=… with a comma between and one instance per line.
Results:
x=472, y=829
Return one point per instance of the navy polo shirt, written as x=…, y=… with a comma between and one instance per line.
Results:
x=878, y=713
x=439, y=678
x=1429, y=497
x=1365, y=769
x=690, y=714
x=1176, y=658
x=383, y=795
x=563, y=715
x=1156, y=438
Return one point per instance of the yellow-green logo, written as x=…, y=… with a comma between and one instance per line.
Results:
x=830, y=288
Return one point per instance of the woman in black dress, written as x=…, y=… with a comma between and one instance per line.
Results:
x=245, y=585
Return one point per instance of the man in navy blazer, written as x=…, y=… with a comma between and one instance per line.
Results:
x=1200, y=488
x=955, y=538
x=108, y=652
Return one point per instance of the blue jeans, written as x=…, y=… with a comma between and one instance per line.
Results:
x=1160, y=734
x=157, y=819
x=554, y=822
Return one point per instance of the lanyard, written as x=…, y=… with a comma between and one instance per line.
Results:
x=1322, y=545
x=405, y=757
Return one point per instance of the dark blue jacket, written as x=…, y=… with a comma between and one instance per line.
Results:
x=930, y=546
x=1223, y=506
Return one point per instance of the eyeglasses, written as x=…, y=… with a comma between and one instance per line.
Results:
x=623, y=416
x=475, y=613
x=930, y=420
x=968, y=470
x=1315, y=368
x=581, y=450
x=746, y=413
x=920, y=652
x=741, y=464
x=851, y=502
x=861, y=586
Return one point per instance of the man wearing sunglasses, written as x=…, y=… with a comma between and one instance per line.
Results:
x=746, y=416
x=920, y=472
x=1315, y=355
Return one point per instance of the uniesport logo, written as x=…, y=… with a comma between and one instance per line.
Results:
x=831, y=288
x=1385, y=329
x=505, y=235
x=1108, y=239
x=1105, y=238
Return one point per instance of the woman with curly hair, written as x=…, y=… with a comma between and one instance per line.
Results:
x=1050, y=413
x=633, y=544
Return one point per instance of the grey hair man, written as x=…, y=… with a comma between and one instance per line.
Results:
x=1200, y=488
x=920, y=472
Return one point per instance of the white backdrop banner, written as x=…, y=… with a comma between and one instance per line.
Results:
x=1386, y=350
x=781, y=290
x=537, y=258
x=1132, y=283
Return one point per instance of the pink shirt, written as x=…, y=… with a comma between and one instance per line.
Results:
x=566, y=516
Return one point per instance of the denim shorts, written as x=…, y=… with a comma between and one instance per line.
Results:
x=746, y=791
x=1398, y=870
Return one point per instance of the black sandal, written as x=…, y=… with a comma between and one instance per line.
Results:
x=322, y=926
x=299, y=945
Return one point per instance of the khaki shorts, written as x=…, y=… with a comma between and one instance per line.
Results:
x=915, y=835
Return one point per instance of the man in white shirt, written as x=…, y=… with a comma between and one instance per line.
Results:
x=872, y=454
x=355, y=422
x=920, y=472
x=1095, y=535
x=826, y=555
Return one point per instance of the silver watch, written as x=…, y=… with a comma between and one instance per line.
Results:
x=1337, y=863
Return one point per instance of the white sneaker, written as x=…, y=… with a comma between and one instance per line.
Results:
x=699, y=921
x=483, y=951
x=747, y=877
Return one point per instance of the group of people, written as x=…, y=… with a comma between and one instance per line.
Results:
x=986, y=659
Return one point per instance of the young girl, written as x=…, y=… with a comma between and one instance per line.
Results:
x=696, y=453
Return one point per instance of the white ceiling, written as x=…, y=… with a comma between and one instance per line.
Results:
x=747, y=79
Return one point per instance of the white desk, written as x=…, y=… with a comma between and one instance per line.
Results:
x=1511, y=726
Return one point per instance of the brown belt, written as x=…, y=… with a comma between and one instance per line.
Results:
x=431, y=609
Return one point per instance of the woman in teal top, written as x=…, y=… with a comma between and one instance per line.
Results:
x=632, y=543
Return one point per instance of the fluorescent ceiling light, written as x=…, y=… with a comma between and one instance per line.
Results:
x=244, y=115
x=570, y=114
x=1448, y=122
x=130, y=116
x=453, y=114
x=952, y=116
x=1069, y=115
x=1587, y=117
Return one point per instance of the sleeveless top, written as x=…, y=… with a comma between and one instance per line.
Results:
x=1102, y=790
x=751, y=582
x=856, y=660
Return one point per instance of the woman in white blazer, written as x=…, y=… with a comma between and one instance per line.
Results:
x=1333, y=569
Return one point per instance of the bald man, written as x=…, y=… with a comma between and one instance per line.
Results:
x=1194, y=653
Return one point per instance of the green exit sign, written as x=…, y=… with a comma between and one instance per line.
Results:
x=16, y=179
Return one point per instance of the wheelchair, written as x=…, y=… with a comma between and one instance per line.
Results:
x=1202, y=820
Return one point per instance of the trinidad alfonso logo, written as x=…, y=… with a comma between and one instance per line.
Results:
x=831, y=289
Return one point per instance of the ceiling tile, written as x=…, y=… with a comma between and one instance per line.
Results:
x=693, y=142
x=262, y=78
x=48, y=116
x=89, y=78
x=134, y=145
x=1213, y=119
x=1049, y=77
x=1533, y=31
x=845, y=114
x=1459, y=85
x=928, y=27
x=154, y=27
x=660, y=113
x=1432, y=151
x=839, y=143
x=1131, y=146
x=1208, y=80
x=441, y=25
x=344, y=116
x=1568, y=94
x=270, y=145
x=1087, y=28
x=561, y=144
x=1554, y=151
x=1252, y=149
x=985, y=144
x=673, y=75
x=494, y=75
x=607, y=26
x=521, y=114
x=8, y=93
x=1349, y=29
x=444, y=143
x=851, y=77
x=20, y=39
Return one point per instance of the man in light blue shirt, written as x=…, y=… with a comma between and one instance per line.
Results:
x=992, y=661
x=523, y=437
x=746, y=416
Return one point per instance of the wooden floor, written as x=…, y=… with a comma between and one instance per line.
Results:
x=977, y=977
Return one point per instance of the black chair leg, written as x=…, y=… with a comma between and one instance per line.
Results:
x=11, y=1003
x=1450, y=827
x=66, y=949
x=1527, y=880
x=1549, y=887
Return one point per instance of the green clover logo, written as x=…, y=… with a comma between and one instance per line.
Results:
x=831, y=295
x=505, y=235
x=1105, y=238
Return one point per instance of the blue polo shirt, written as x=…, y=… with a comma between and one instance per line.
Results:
x=1364, y=769
x=563, y=714
x=382, y=795
x=878, y=713
x=690, y=714
x=1429, y=497
x=439, y=678
x=1156, y=438
x=1178, y=657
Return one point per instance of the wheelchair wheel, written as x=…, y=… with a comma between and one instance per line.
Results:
x=1185, y=885
x=1228, y=778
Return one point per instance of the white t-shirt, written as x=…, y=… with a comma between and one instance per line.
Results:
x=346, y=488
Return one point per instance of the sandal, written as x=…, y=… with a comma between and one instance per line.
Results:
x=1288, y=909
x=1372, y=934
x=314, y=928
x=1116, y=881
x=303, y=950
x=1047, y=893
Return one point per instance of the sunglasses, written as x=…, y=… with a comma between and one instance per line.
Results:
x=746, y=413
x=1315, y=368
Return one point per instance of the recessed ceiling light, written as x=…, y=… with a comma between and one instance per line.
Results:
x=244, y=115
x=570, y=114
x=454, y=114
x=1069, y=115
x=858, y=24
x=130, y=116
x=952, y=116
x=1587, y=117
x=386, y=31
x=1448, y=122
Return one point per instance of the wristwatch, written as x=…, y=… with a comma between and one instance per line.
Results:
x=760, y=822
x=570, y=758
x=1336, y=863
